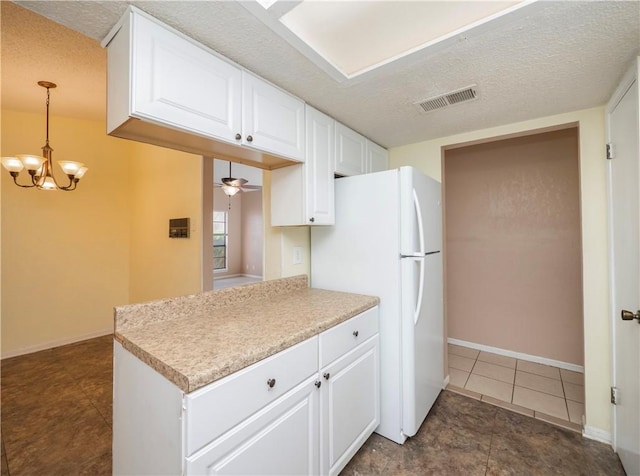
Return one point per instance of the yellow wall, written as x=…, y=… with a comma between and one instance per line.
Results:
x=164, y=184
x=65, y=255
x=427, y=157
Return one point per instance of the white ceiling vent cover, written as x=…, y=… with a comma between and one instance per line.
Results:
x=454, y=97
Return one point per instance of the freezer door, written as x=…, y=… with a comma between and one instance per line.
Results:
x=420, y=212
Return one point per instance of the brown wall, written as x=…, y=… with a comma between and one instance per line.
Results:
x=513, y=245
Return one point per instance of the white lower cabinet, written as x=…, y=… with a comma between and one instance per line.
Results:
x=280, y=439
x=350, y=405
x=305, y=410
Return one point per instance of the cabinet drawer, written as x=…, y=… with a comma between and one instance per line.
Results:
x=214, y=409
x=348, y=335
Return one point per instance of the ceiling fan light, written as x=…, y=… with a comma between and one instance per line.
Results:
x=70, y=167
x=31, y=162
x=12, y=164
x=230, y=190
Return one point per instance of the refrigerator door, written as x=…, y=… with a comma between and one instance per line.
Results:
x=422, y=297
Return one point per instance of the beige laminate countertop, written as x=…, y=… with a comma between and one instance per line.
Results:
x=196, y=340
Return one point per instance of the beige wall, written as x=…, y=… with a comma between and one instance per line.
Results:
x=164, y=184
x=65, y=255
x=252, y=232
x=513, y=247
x=234, y=222
x=427, y=157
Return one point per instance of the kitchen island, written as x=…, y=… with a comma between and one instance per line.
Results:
x=266, y=378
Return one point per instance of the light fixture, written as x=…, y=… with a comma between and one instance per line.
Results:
x=40, y=168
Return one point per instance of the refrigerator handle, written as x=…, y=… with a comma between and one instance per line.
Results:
x=418, y=308
x=418, y=209
x=418, y=218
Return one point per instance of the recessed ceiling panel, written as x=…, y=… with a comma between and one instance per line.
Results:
x=357, y=36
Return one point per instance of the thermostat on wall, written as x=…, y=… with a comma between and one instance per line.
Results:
x=179, y=228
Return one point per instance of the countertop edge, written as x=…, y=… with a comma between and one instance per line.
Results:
x=190, y=383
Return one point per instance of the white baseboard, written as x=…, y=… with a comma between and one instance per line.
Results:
x=54, y=343
x=518, y=355
x=597, y=434
x=446, y=382
x=254, y=276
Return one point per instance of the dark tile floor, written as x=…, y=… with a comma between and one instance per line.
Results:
x=56, y=410
x=56, y=420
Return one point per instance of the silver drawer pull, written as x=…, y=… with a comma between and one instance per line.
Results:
x=271, y=382
x=355, y=333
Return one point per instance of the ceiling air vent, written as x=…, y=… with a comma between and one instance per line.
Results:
x=454, y=97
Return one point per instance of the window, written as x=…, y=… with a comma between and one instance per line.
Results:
x=219, y=240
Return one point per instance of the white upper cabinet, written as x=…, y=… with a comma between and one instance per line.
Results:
x=166, y=89
x=272, y=120
x=304, y=194
x=377, y=158
x=350, y=151
x=181, y=84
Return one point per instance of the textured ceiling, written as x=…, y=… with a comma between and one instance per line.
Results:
x=551, y=57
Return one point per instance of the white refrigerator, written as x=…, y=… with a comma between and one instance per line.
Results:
x=387, y=242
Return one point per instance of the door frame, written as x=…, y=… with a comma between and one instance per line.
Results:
x=633, y=74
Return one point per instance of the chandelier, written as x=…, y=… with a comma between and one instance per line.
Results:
x=40, y=168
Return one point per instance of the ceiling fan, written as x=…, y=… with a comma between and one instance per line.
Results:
x=231, y=185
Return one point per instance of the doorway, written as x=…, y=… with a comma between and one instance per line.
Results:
x=234, y=240
x=513, y=246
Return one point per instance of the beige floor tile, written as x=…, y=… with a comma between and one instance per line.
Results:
x=497, y=372
x=463, y=351
x=540, y=402
x=576, y=410
x=488, y=386
x=573, y=392
x=539, y=383
x=572, y=377
x=497, y=359
x=539, y=369
x=508, y=406
x=461, y=363
x=458, y=377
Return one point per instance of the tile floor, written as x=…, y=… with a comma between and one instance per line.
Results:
x=56, y=410
x=540, y=391
x=56, y=420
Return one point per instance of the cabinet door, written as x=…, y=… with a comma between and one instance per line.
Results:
x=272, y=120
x=350, y=151
x=319, y=165
x=350, y=409
x=280, y=439
x=179, y=84
x=377, y=158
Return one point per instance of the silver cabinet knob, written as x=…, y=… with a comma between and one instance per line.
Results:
x=238, y=137
x=271, y=382
x=318, y=383
x=249, y=139
x=629, y=316
x=326, y=375
x=355, y=333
